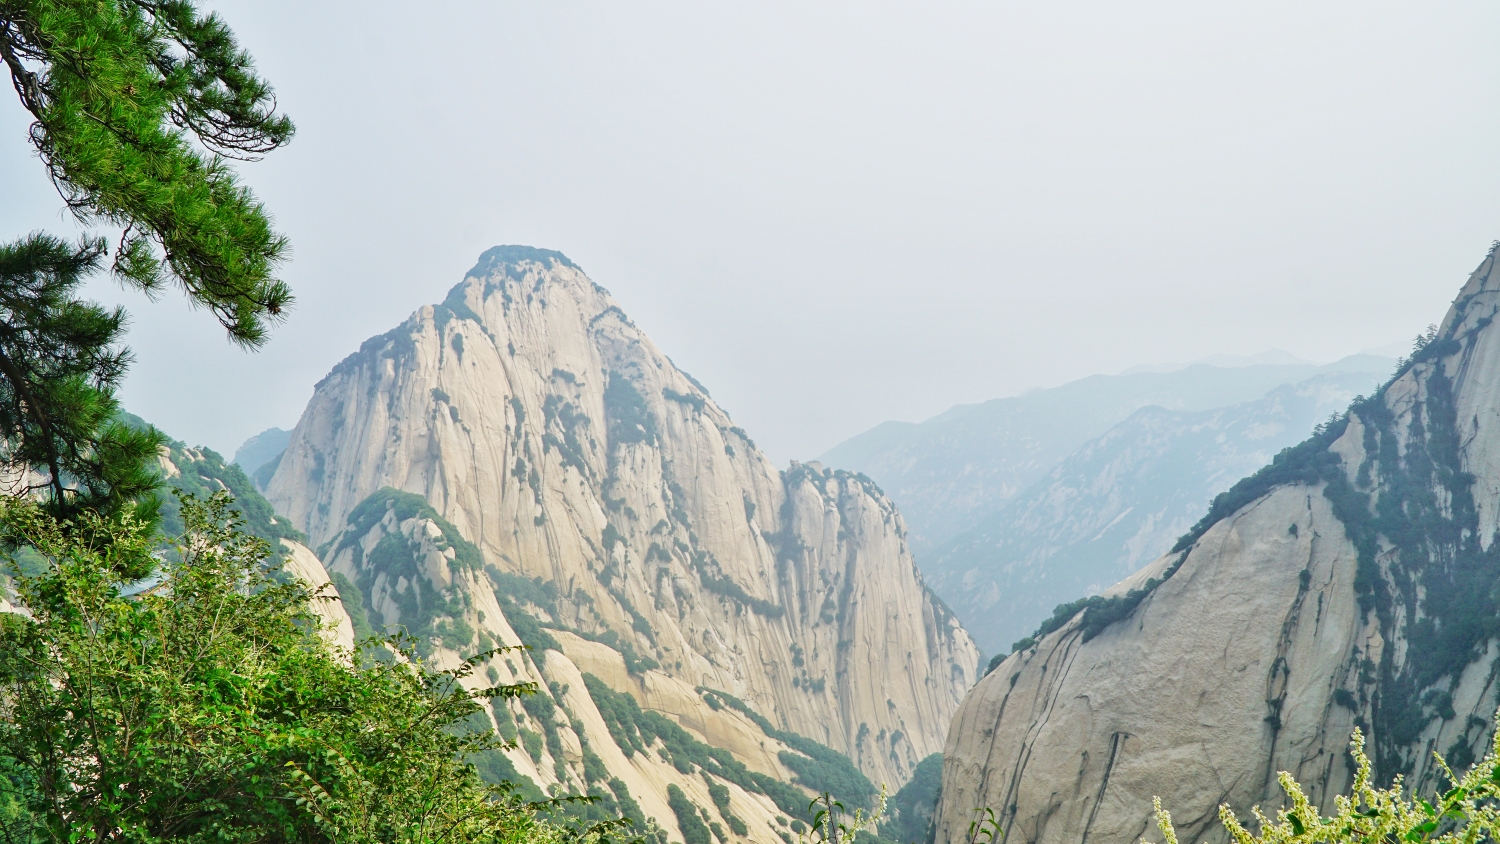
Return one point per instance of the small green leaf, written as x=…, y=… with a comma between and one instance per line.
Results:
x=1297, y=826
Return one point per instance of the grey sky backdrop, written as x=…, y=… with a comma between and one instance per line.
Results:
x=837, y=214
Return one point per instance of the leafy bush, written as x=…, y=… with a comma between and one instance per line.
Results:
x=720, y=795
x=220, y=711
x=832, y=773
x=707, y=568
x=531, y=632
x=695, y=402
x=524, y=590
x=1467, y=812
x=630, y=420
x=999, y=658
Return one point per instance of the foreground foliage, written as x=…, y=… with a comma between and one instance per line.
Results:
x=1466, y=813
x=209, y=708
x=832, y=823
x=59, y=368
x=136, y=107
x=118, y=90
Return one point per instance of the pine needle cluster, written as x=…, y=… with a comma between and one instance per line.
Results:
x=119, y=92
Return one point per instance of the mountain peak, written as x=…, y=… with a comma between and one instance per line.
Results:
x=549, y=432
x=496, y=257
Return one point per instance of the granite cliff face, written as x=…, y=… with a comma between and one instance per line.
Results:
x=1352, y=582
x=551, y=437
x=399, y=563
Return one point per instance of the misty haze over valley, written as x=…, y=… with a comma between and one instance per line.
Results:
x=775, y=424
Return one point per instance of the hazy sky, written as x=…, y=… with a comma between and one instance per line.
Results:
x=837, y=214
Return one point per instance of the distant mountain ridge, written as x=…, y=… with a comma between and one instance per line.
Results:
x=261, y=451
x=951, y=471
x=1271, y=356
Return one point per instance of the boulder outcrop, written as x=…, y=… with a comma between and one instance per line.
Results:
x=1353, y=582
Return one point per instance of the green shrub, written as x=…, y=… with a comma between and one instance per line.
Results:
x=693, y=829
x=1469, y=811
x=708, y=574
x=223, y=664
x=719, y=793
x=505, y=720
x=533, y=743
x=817, y=765
x=695, y=402
x=630, y=420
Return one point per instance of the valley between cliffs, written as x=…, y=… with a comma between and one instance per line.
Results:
x=1353, y=582
x=520, y=464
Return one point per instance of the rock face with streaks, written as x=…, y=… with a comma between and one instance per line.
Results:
x=561, y=454
x=1354, y=581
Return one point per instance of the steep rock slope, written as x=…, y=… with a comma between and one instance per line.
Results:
x=949, y=472
x=399, y=564
x=540, y=423
x=1353, y=581
x=1117, y=503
